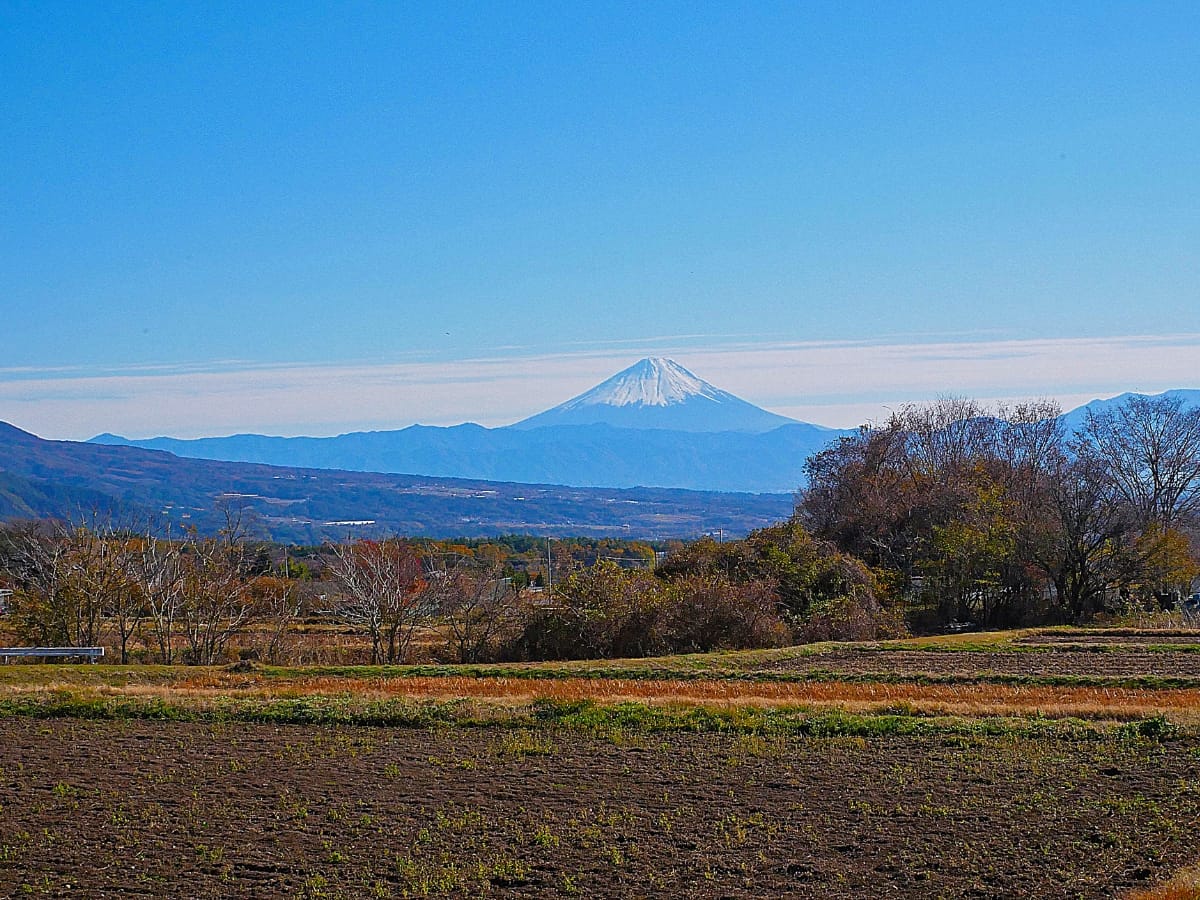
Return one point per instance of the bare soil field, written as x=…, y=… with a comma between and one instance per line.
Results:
x=1101, y=661
x=173, y=809
x=1114, y=638
x=822, y=771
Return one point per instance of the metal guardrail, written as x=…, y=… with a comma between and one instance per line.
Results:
x=91, y=654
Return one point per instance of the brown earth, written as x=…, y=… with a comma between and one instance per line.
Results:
x=107, y=809
x=1060, y=661
x=1113, y=638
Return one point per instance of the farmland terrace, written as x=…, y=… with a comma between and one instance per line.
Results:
x=1056, y=763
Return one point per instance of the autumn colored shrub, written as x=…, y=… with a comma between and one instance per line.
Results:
x=605, y=611
x=850, y=618
x=713, y=613
x=819, y=591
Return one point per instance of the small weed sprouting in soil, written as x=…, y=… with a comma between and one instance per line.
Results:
x=506, y=872
x=523, y=743
x=332, y=856
x=9, y=854
x=209, y=854
x=444, y=874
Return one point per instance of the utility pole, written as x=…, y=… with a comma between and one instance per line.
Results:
x=549, y=570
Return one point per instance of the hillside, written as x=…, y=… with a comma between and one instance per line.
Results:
x=64, y=478
x=1077, y=418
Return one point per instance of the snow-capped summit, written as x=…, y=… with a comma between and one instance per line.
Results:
x=659, y=393
x=648, y=382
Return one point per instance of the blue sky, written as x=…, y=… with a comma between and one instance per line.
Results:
x=297, y=218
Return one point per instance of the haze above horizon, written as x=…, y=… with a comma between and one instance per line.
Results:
x=310, y=220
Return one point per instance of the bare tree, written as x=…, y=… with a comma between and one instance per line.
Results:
x=160, y=573
x=281, y=602
x=478, y=606
x=103, y=558
x=217, y=600
x=1085, y=547
x=1031, y=436
x=46, y=597
x=1151, y=448
x=383, y=593
x=72, y=583
x=945, y=434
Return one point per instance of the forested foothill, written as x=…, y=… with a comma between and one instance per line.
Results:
x=946, y=516
x=42, y=479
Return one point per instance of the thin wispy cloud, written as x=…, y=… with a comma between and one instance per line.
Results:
x=838, y=383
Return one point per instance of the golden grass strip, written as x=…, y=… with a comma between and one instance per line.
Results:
x=1118, y=703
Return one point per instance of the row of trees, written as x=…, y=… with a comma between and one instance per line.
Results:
x=1004, y=516
x=191, y=598
x=90, y=584
x=393, y=589
x=777, y=585
x=201, y=600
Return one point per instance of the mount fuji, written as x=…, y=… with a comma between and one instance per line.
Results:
x=659, y=393
x=654, y=424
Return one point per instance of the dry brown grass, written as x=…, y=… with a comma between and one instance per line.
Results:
x=1117, y=703
x=1184, y=885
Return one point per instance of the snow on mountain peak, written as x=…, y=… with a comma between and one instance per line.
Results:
x=654, y=381
x=658, y=393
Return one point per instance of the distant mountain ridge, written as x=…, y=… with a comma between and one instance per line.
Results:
x=654, y=423
x=582, y=455
x=1077, y=418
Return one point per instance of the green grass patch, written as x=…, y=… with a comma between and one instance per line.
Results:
x=575, y=716
x=96, y=674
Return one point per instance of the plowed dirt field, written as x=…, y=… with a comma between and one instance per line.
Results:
x=167, y=809
x=1104, y=660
